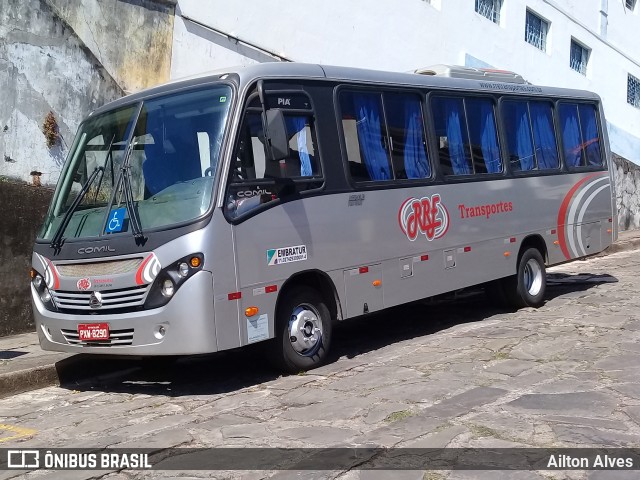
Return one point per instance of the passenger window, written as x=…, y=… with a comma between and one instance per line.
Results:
x=544, y=136
x=364, y=134
x=256, y=180
x=571, y=135
x=518, y=133
x=580, y=138
x=452, y=137
x=590, y=137
x=484, y=136
x=406, y=130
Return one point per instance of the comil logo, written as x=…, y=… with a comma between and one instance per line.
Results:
x=426, y=215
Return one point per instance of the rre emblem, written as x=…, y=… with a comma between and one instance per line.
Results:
x=84, y=284
x=95, y=300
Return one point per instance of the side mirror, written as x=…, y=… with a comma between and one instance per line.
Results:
x=277, y=138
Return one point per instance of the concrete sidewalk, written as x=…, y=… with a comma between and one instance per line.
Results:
x=25, y=366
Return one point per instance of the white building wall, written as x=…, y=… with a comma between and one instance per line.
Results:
x=387, y=35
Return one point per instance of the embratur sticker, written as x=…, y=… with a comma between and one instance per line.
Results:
x=277, y=256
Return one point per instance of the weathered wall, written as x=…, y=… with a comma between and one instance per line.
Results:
x=627, y=191
x=70, y=57
x=130, y=38
x=44, y=67
x=24, y=206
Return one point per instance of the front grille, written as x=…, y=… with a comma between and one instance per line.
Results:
x=117, y=338
x=112, y=267
x=111, y=299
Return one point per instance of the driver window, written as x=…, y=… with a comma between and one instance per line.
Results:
x=251, y=159
x=255, y=179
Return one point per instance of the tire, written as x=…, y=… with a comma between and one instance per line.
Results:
x=527, y=287
x=302, y=311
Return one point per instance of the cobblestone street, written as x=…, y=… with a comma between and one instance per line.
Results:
x=458, y=373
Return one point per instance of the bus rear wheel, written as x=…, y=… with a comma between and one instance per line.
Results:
x=303, y=331
x=527, y=287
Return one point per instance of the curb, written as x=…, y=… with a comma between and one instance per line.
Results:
x=28, y=379
x=78, y=370
x=82, y=369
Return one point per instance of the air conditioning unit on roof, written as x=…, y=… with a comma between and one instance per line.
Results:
x=471, y=73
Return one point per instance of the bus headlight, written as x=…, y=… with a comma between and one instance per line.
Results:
x=171, y=278
x=43, y=292
x=168, y=288
x=45, y=296
x=183, y=269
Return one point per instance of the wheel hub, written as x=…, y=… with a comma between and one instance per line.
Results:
x=533, y=277
x=305, y=330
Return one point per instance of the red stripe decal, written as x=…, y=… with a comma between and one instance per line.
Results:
x=562, y=214
x=54, y=272
x=139, y=279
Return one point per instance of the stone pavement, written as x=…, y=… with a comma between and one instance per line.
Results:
x=458, y=374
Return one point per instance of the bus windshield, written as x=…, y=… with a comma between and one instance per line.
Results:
x=169, y=160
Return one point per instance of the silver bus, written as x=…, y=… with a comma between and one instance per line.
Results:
x=266, y=203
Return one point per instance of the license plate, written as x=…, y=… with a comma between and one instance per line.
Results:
x=93, y=331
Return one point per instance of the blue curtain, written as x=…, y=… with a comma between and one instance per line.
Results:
x=367, y=109
x=571, y=135
x=296, y=126
x=489, y=138
x=524, y=147
x=543, y=134
x=416, y=164
x=454, y=137
x=590, y=134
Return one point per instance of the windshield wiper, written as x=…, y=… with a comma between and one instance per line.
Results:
x=57, y=241
x=136, y=227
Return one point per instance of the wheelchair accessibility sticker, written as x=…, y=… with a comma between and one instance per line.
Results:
x=115, y=221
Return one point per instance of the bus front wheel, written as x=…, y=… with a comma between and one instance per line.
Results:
x=303, y=331
x=527, y=287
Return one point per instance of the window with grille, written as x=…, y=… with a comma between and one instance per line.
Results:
x=633, y=91
x=489, y=9
x=578, y=57
x=630, y=4
x=536, y=30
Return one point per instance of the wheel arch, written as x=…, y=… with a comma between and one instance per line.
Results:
x=319, y=281
x=534, y=241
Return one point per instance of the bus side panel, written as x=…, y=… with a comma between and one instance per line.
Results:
x=220, y=240
x=473, y=223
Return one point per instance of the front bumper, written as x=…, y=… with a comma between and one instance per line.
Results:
x=188, y=321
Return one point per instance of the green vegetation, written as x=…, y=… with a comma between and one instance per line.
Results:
x=401, y=415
